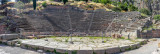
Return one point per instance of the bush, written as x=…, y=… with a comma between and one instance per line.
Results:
x=115, y=3
x=116, y=9
x=132, y=8
x=3, y=2
x=145, y=11
x=157, y=17
x=65, y=1
x=102, y=1
x=83, y=0
x=44, y=4
x=51, y=0
x=74, y=52
x=19, y=5
x=124, y=6
x=34, y=4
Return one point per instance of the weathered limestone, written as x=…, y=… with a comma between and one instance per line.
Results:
x=124, y=48
x=158, y=45
x=48, y=49
x=9, y=43
x=84, y=51
x=9, y=36
x=79, y=47
x=113, y=50
x=99, y=50
x=62, y=50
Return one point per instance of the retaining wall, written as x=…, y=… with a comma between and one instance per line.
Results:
x=110, y=50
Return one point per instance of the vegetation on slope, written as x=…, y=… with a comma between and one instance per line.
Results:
x=108, y=5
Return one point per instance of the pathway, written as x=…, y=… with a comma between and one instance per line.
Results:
x=15, y=50
x=145, y=49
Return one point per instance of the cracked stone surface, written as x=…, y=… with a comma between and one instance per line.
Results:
x=85, y=43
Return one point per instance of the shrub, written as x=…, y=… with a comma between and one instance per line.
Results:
x=116, y=9
x=145, y=11
x=66, y=53
x=19, y=5
x=115, y=3
x=74, y=52
x=34, y=4
x=83, y=0
x=132, y=8
x=102, y=1
x=94, y=52
x=55, y=51
x=124, y=6
x=157, y=17
x=3, y=1
x=44, y=4
x=122, y=37
x=51, y=0
x=65, y=1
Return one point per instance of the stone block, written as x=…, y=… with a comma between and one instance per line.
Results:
x=9, y=43
x=133, y=46
x=34, y=47
x=30, y=37
x=61, y=50
x=84, y=51
x=102, y=51
x=40, y=51
x=23, y=45
x=48, y=49
x=41, y=47
x=158, y=45
x=9, y=36
x=13, y=42
x=4, y=41
x=138, y=45
x=17, y=45
x=124, y=48
x=153, y=39
x=113, y=50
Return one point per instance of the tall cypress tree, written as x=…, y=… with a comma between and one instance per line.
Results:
x=64, y=1
x=34, y=4
x=3, y=1
x=86, y=1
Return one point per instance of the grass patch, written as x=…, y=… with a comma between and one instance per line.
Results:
x=74, y=52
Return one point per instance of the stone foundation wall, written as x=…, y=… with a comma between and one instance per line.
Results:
x=110, y=50
x=154, y=33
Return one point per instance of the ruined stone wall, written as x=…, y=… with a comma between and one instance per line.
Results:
x=154, y=33
x=57, y=18
x=62, y=18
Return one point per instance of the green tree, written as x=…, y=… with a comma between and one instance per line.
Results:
x=34, y=4
x=19, y=5
x=3, y=2
x=65, y=1
x=86, y=1
x=132, y=8
x=157, y=17
x=44, y=4
x=124, y=6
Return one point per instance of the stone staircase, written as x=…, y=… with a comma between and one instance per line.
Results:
x=24, y=24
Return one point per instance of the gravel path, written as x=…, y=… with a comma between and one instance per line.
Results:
x=15, y=50
x=145, y=49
